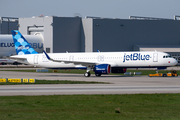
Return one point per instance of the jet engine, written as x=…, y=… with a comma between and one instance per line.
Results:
x=102, y=69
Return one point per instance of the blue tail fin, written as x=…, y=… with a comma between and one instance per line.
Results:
x=21, y=45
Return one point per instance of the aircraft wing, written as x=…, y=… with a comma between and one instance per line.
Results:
x=75, y=62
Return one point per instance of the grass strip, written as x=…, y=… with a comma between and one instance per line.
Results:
x=91, y=107
x=56, y=82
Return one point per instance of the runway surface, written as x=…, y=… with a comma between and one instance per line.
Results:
x=119, y=84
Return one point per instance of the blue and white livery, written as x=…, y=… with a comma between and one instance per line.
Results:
x=99, y=62
x=21, y=45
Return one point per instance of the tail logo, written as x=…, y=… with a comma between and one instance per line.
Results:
x=21, y=45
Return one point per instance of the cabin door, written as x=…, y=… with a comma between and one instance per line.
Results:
x=155, y=57
x=35, y=59
x=71, y=58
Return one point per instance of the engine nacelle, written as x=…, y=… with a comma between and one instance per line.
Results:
x=102, y=69
x=118, y=70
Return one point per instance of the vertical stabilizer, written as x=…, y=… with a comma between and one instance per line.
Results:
x=21, y=44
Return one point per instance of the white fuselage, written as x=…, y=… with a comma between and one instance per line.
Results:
x=115, y=59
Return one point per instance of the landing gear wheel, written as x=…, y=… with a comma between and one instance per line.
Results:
x=98, y=75
x=87, y=74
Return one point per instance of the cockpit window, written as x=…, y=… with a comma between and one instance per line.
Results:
x=167, y=56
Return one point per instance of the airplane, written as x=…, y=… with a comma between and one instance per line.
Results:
x=99, y=62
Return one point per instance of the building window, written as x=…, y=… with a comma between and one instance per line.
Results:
x=48, y=50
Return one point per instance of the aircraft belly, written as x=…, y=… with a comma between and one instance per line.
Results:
x=139, y=64
x=56, y=65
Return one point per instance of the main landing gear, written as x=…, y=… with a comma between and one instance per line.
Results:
x=87, y=74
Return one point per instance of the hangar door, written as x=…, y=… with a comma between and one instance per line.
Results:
x=155, y=57
x=33, y=29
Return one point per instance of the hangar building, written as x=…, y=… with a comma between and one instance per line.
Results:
x=78, y=35
x=74, y=34
x=61, y=34
x=7, y=24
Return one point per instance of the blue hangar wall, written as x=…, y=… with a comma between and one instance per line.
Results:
x=74, y=34
x=122, y=35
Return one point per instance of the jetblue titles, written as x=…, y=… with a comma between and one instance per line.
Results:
x=135, y=57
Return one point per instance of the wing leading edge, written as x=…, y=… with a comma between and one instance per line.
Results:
x=74, y=62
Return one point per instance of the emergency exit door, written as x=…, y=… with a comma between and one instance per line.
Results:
x=36, y=59
x=155, y=57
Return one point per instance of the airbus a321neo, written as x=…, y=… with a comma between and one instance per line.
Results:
x=99, y=62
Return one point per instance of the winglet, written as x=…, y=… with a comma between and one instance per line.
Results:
x=47, y=55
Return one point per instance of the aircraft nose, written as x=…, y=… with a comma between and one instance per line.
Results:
x=175, y=62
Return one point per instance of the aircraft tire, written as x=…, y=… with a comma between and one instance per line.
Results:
x=3, y=64
x=87, y=74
